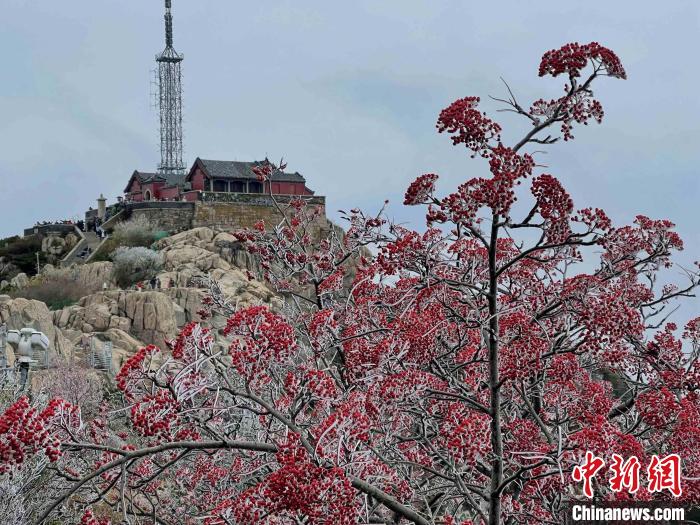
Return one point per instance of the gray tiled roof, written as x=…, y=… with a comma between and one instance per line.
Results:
x=143, y=176
x=170, y=179
x=140, y=176
x=173, y=179
x=228, y=169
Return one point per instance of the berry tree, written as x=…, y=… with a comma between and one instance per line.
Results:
x=458, y=375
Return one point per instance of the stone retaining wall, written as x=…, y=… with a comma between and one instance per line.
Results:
x=169, y=218
x=219, y=210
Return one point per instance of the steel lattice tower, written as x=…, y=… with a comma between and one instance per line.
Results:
x=170, y=101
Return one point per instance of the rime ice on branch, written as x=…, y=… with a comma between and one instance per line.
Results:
x=455, y=375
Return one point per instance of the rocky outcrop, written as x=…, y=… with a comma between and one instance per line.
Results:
x=123, y=346
x=19, y=281
x=150, y=316
x=95, y=317
x=188, y=302
x=233, y=252
x=192, y=256
x=180, y=255
x=199, y=237
x=20, y=313
x=93, y=276
x=219, y=243
x=132, y=318
x=54, y=245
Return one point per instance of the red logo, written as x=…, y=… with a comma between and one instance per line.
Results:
x=662, y=474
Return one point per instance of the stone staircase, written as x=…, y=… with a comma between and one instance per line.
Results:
x=79, y=254
x=110, y=223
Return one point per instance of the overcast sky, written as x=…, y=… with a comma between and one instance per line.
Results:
x=347, y=92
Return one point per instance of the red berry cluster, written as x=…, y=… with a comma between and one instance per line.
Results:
x=692, y=330
x=578, y=107
x=90, y=519
x=658, y=408
x=554, y=205
x=192, y=340
x=572, y=58
x=332, y=283
x=133, y=370
x=156, y=414
x=523, y=345
x=408, y=386
x=261, y=337
x=24, y=431
x=497, y=193
x=469, y=126
x=594, y=218
x=265, y=169
x=420, y=190
x=298, y=491
x=655, y=237
x=465, y=434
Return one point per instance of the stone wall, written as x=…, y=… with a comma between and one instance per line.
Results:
x=165, y=216
x=220, y=210
x=244, y=210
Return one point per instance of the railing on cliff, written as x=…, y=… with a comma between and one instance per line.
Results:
x=146, y=205
x=257, y=199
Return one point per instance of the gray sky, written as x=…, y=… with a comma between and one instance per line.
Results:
x=347, y=92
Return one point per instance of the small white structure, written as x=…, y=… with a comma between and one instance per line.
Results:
x=30, y=349
x=101, y=207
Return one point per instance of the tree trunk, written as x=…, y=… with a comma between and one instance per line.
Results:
x=494, y=386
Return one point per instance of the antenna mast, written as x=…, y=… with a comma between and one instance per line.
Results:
x=170, y=101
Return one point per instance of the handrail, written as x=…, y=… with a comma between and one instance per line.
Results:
x=107, y=224
x=96, y=250
x=75, y=248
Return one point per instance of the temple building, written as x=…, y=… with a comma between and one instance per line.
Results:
x=215, y=176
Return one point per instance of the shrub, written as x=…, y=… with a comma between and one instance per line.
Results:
x=135, y=232
x=7, y=269
x=133, y=265
x=75, y=383
x=21, y=252
x=57, y=291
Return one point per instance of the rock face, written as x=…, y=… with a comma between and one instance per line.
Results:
x=53, y=245
x=200, y=237
x=71, y=240
x=178, y=256
x=92, y=276
x=19, y=281
x=220, y=243
x=131, y=318
x=188, y=302
x=196, y=254
x=149, y=316
x=20, y=313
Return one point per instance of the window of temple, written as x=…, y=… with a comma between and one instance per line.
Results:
x=148, y=195
x=255, y=187
x=220, y=185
